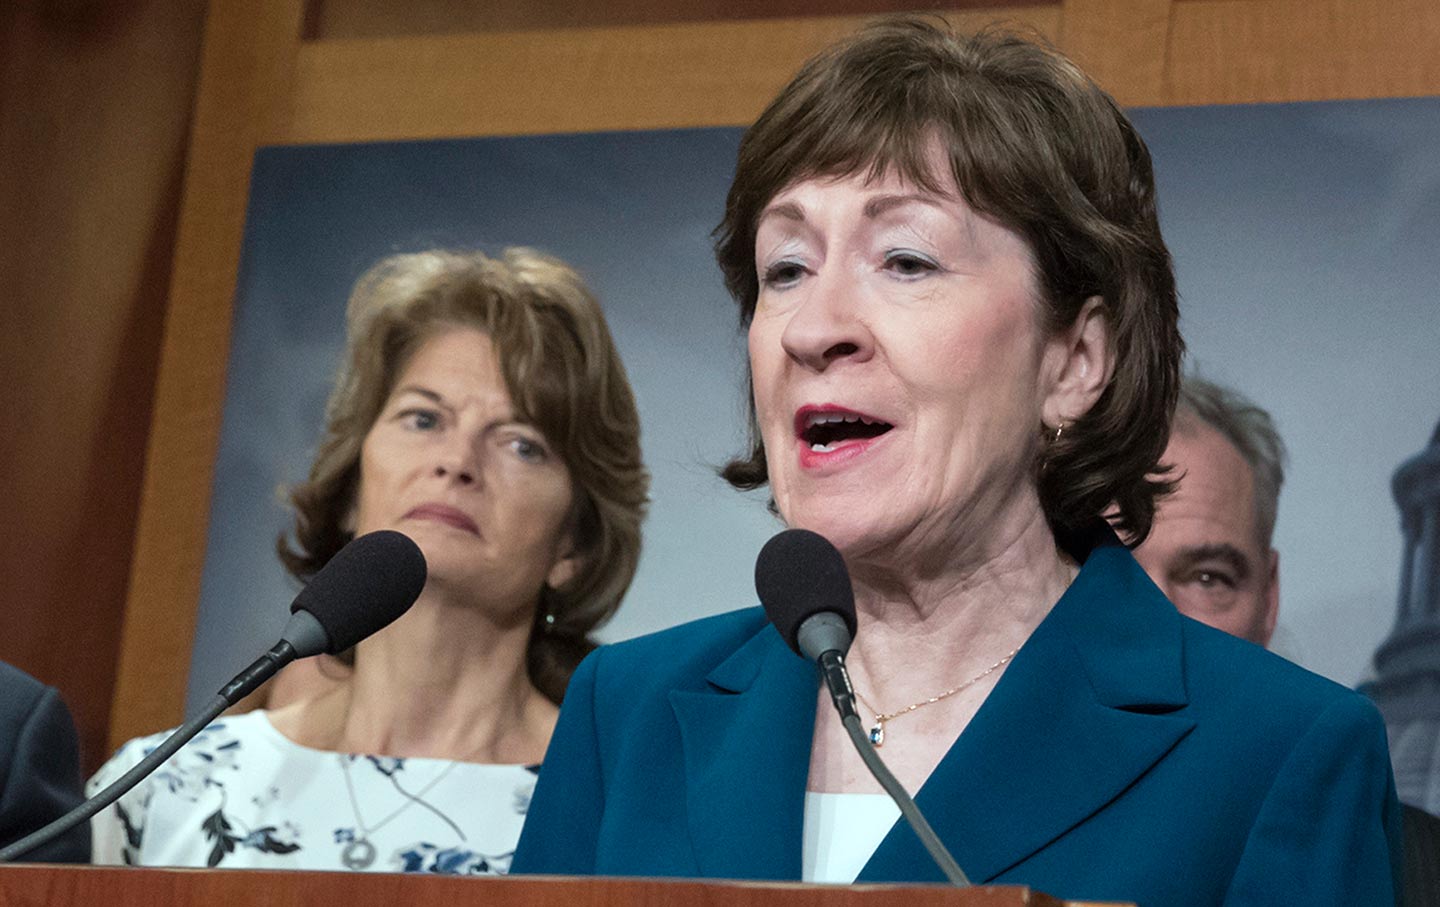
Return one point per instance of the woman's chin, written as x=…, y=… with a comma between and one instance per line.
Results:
x=842, y=528
x=440, y=542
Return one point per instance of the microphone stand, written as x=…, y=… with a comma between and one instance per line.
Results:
x=953, y=873
x=281, y=654
x=837, y=680
x=373, y=580
x=805, y=587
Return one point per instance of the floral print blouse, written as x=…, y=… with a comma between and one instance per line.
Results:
x=242, y=795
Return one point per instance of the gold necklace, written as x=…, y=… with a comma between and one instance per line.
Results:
x=877, y=730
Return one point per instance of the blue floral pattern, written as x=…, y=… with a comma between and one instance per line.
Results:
x=453, y=860
x=242, y=795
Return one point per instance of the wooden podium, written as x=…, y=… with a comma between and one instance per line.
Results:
x=33, y=885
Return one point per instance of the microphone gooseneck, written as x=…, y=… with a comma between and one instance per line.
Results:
x=363, y=588
x=805, y=588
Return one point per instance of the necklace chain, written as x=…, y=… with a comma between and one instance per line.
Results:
x=877, y=730
x=360, y=853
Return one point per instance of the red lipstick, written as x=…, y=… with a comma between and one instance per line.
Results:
x=828, y=435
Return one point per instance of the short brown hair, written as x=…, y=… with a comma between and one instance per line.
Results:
x=1034, y=144
x=564, y=376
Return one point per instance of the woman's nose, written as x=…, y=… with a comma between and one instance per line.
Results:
x=825, y=327
x=456, y=472
x=457, y=463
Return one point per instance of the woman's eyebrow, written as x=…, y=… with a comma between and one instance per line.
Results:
x=881, y=204
x=786, y=210
x=875, y=207
x=425, y=392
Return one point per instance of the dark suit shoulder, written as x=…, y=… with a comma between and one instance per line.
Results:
x=39, y=766
x=1422, y=859
x=19, y=695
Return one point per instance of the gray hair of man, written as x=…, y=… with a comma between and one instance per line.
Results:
x=1250, y=429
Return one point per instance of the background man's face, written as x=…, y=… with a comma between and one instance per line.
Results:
x=1204, y=551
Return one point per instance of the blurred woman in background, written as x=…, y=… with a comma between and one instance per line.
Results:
x=483, y=411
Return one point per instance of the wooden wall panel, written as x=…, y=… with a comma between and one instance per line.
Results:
x=94, y=120
x=1121, y=44
x=330, y=19
x=249, y=54
x=264, y=84
x=566, y=80
x=1244, y=51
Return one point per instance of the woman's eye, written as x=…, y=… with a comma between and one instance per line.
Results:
x=910, y=264
x=529, y=450
x=783, y=274
x=420, y=419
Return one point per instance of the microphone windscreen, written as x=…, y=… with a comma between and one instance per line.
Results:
x=365, y=586
x=800, y=574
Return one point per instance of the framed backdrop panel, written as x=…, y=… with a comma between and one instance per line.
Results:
x=1302, y=235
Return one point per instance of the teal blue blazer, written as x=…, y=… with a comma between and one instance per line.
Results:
x=1127, y=753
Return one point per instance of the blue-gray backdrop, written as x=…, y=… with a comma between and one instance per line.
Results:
x=1307, y=240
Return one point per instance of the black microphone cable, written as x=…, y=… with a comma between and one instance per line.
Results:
x=281, y=654
x=363, y=588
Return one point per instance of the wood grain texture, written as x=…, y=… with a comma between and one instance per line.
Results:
x=94, y=119
x=564, y=80
x=248, y=58
x=1121, y=44
x=1247, y=51
x=331, y=19
x=65, y=885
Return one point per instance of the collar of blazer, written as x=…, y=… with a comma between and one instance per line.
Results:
x=1082, y=712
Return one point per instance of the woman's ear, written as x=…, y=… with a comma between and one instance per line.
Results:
x=1078, y=364
x=566, y=566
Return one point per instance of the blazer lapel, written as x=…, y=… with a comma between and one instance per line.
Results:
x=1078, y=716
x=747, y=756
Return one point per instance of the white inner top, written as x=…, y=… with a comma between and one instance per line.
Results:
x=842, y=832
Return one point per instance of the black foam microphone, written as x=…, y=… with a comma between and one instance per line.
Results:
x=803, y=583
x=363, y=588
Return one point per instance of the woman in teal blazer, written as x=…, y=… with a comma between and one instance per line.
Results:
x=963, y=346
x=1128, y=754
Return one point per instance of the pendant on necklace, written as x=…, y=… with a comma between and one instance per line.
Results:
x=877, y=733
x=358, y=854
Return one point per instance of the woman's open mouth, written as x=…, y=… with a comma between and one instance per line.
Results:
x=829, y=434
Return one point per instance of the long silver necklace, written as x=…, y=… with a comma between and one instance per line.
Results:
x=877, y=730
x=359, y=853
